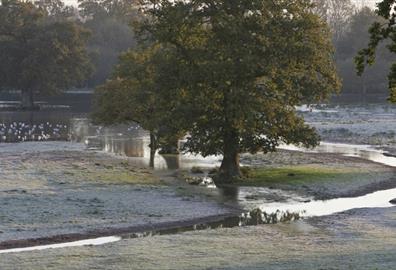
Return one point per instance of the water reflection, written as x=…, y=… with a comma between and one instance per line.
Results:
x=172, y=162
x=124, y=146
x=133, y=142
x=230, y=193
x=379, y=199
x=363, y=151
x=19, y=126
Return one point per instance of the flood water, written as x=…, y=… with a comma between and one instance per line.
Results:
x=132, y=141
x=366, y=152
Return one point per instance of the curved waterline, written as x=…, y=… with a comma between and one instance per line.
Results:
x=378, y=199
x=87, y=242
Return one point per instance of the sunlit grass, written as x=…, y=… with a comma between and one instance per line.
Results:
x=296, y=175
x=123, y=178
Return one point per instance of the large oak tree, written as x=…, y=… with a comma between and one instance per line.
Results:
x=246, y=65
x=143, y=89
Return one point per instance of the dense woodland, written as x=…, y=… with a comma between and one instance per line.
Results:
x=109, y=24
x=349, y=23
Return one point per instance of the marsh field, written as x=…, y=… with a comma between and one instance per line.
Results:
x=90, y=182
x=197, y=134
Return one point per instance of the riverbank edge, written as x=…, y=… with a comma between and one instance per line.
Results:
x=123, y=232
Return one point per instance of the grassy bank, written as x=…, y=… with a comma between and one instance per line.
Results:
x=296, y=175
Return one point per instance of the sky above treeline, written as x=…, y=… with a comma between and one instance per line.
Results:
x=370, y=3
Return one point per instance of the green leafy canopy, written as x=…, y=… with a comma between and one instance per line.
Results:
x=247, y=64
x=381, y=31
x=230, y=73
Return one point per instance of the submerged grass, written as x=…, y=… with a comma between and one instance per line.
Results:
x=119, y=177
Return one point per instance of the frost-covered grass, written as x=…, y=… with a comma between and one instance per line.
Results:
x=50, y=188
x=373, y=124
x=359, y=240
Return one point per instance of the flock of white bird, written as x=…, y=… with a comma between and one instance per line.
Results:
x=20, y=132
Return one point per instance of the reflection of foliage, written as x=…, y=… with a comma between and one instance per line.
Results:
x=257, y=217
x=140, y=92
x=380, y=31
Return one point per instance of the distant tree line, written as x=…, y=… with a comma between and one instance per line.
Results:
x=382, y=32
x=350, y=24
x=110, y=33
x=109, y=22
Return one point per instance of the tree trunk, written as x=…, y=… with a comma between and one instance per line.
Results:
x=27, y=99
x=229, y=169
x=153, y=148
x=172, y=162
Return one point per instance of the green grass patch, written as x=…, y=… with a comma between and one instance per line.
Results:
x=296, y=175
x=119, y=177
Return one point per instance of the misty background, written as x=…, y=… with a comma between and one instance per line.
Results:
x=111, y=34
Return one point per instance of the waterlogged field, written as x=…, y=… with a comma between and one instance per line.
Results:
x=373, y=124
x=52, y=189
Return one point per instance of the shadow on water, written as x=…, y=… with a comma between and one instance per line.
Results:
x=230, y=193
